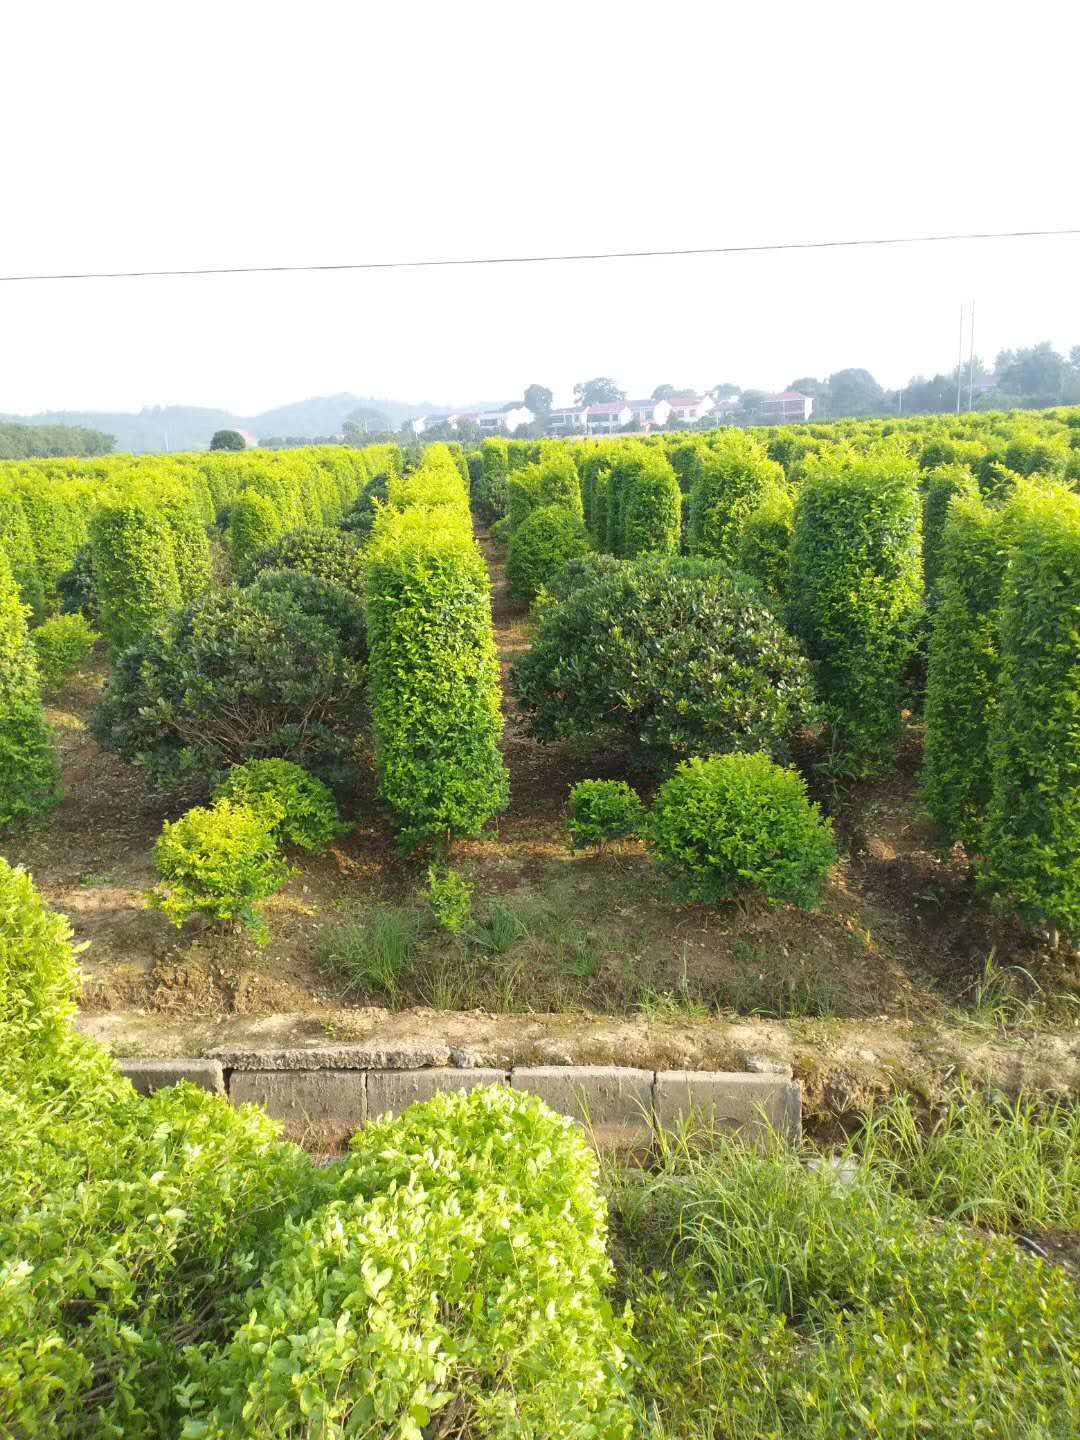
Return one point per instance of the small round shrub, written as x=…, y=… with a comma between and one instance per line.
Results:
x=741, y=822
x=603, y=810
x=219, y=863
x=302, y=807
x=62, y=644
x=541, y=546
x=319, y=550
x=669, y=657
x=500, y=531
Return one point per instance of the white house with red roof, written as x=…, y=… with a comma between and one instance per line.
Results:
x=689, y=408
x=607, y=416
x=647, y=413
x=567, y=419
x=788, y=405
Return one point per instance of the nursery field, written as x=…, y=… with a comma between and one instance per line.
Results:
x=713, y=748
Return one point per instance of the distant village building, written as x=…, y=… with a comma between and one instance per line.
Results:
x=788, y=405
x=491, y=422
x=690, y=408
x=610, y=415
x=646, y=413
x=567, y=419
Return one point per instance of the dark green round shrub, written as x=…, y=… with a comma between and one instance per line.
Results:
x=332, y=604
x=358, y=520
x=240, y=676
x=75, y=586
x=740, y=822
x=601, y=811
x=320, y=550
x=540, y=546
x=671, y=657
x=227, y=440
x=301, y=808
x=28, y=769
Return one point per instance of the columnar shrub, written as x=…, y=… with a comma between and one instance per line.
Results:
x=940, y=485
x=856, y=589
x=670, y=657
x=300, y=808
x=541, y=545
x=651, y=509
x=764, y=548
x=61, y=645
x=240, y=676
x=28, y=770
x=962, y=680
x=434, y=669
x=1033, y=824
x=190, y=543
x=134, y=564
x=735, y=474
x=254, y=525
x=57, y=512
x=489, y=488
x=17, y=545
x=602, y=811
x=741, y=822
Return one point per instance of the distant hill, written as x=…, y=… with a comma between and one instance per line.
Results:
x=189, y=427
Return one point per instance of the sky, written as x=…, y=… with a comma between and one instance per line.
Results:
x=139, y=136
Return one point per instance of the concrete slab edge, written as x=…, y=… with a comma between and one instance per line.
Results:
x=619, y=1105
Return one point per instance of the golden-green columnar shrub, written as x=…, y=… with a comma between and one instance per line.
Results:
x=220, y=863
x=740, y=822
x=940, y=485
x=764, y=548
x=962, y=680
x=254, y=525
x=1033, y=823
x=434, y=669
x=734, y=476
x=300, y=808
x=559, y=483
x=62, y=644
x=541, y=545
x=651, y=508
x=57, y=512
x=594, y=464
x=134, y=565
x=457, y=1274
x=28, y=770
x=856, y=589
x=17, y=544
x=489, y=486
x=190, y=543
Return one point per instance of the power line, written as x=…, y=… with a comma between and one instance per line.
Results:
x=544, y=259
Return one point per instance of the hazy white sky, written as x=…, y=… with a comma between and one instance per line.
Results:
x=161, y=135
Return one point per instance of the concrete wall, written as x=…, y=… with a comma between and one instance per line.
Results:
x=323, y=1100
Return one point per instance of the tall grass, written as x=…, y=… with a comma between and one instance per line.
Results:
x=372, y=948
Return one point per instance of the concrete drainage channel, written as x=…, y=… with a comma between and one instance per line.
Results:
x=323, y=1097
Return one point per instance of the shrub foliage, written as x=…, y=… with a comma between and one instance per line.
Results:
x=28, y=768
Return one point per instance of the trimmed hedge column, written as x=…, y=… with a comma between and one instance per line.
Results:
x=1033, y=825
x=28, y=771
x=135, y=575
x=434, y=668
x=961, y=688
x=855, y=593
x=732, y=480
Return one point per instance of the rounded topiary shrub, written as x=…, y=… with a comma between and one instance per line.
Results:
x=327, y=601
x=218, y=863
x=740, y=822
x=62, y=644
x=300, y=808
x=602, y=811
x=320, y=550
x=668, y=657
x=240, y=676
x=541, y=546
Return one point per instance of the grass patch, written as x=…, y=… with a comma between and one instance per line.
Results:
x=372, y=948
x=772, y=1299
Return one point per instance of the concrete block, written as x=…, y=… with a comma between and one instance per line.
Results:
x=320, y=1108
x=150, y=1075
x=613, y=1102
x=336, y=1057
x=392, y=1091
x=749, y=1104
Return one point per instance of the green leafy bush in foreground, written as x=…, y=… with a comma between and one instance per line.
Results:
x=740, y=822
x=220, y=863
x=459, y=1271
x=541, y=545
x=62, y=644
x=449, y=897
x=603, y=810
x=322, y=550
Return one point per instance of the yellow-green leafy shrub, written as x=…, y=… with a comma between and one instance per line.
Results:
x=734, y=475
x=602, y=811
x=28, y=769
x=61, y=645
x=300, y=808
